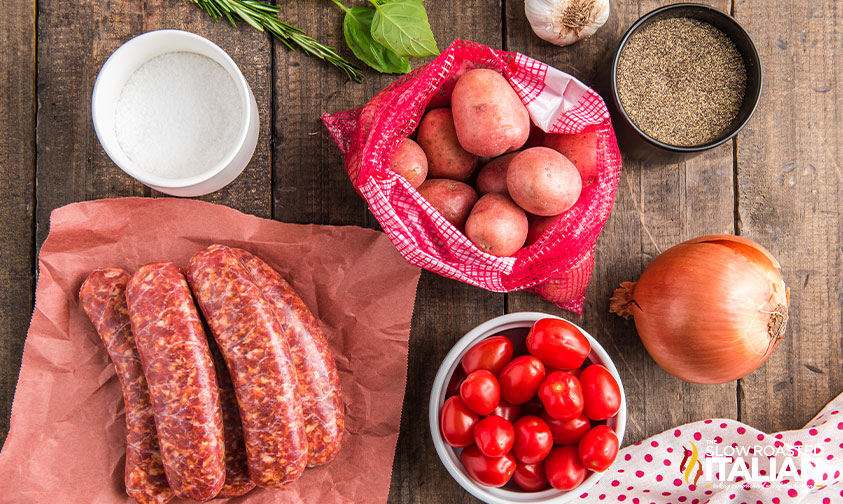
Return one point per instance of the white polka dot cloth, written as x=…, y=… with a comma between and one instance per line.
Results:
x=719, y=461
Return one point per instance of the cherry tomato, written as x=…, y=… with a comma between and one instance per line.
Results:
x=520, y=379
x=530, y=477
x=454, y=383
x=567, y=432
x=563, y=468
x=494, y=436
x=533, y=439
x=489, y=471
x=491, y=354
x=597, y=449
x=480, y=392
x=561, y=395
x=601, y=392
x=458, y=422
x=558, y=343
x=509, y=412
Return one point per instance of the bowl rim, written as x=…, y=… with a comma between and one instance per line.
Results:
x=679, y=148
x=229, y=66
x=446, y=452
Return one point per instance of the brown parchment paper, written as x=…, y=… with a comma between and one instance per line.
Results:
x=67, y=439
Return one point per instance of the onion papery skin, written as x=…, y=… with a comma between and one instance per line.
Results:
x=710, y=310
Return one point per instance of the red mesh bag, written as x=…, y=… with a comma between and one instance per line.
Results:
x=558, y=265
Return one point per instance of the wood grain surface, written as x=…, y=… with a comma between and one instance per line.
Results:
x=780, y=183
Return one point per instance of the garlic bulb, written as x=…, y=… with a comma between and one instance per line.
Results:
x=563, y=22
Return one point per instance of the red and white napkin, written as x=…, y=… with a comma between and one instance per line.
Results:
x=733, y=463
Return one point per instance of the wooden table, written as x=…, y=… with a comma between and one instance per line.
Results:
x=779, y=183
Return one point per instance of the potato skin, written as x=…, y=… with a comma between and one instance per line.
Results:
x=453, y=199
x=580, y=149
x=446, y=158
x=489, y=117
x=410, y=162
x=497, y=225
x=492, y=176
x=537, y=226
x=543, y=181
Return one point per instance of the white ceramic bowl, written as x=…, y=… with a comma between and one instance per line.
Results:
x=450, y=456
x=116, y=72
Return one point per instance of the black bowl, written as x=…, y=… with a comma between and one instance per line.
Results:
x=632, y=140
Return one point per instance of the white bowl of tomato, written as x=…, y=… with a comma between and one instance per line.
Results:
x=527, y=408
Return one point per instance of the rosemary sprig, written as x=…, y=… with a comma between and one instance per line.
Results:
x=263, y=16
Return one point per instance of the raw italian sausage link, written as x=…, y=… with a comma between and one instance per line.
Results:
x=103, y=298
x=178, y=366
x=319, y=382
x=237, y=480
x=251, y=340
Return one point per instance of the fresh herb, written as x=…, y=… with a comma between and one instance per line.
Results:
x=263, y=16
x=402, y=27
x=357, y=28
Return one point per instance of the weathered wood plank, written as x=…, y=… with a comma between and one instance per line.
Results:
x=17, y=159
x=73, y=45
x=657, y=206
x=791, y=194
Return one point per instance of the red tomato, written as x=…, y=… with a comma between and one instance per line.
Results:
x=509, y=412
x=520, y=379
x=563, y=468
x=457, y=422
x=530, y=477
x=489, y=471
x=558, y=343
x=454, y=383
x=480, y=392
x=601, y=392
x=533, y=439
x=567, y=432
x=561, y=395
x=494, y=436
x=491, y=354
x=597, y=449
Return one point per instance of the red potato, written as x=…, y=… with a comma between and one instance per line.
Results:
x=492, y=176
x=410, y=162
x=537, y=226
x=580, y=149
x=496, y=225
x=543, y=182
x=489, y=117
x=451, y=198
x=445, y=156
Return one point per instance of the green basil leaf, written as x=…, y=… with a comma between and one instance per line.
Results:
x=402, y=26
x=357, y=28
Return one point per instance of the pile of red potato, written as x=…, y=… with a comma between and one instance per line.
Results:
x=526, y=178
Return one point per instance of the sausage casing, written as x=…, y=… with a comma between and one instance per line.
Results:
x=251, y=339
x=177, y=363
x=237, y=480
x=319, y=382
x=103, y=298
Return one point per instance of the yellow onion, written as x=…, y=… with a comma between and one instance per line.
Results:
x=709, y=310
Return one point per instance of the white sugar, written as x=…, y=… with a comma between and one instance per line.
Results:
x=178, y=115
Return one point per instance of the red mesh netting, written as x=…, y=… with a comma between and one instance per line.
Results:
x=558, y=265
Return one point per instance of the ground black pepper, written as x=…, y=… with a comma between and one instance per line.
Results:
x=681, y=81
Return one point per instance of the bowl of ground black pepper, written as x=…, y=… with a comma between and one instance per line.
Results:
x=685, y=78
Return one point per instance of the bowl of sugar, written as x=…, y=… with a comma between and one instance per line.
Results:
x=173, y=111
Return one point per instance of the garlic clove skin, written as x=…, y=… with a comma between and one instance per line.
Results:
x=563, y=22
